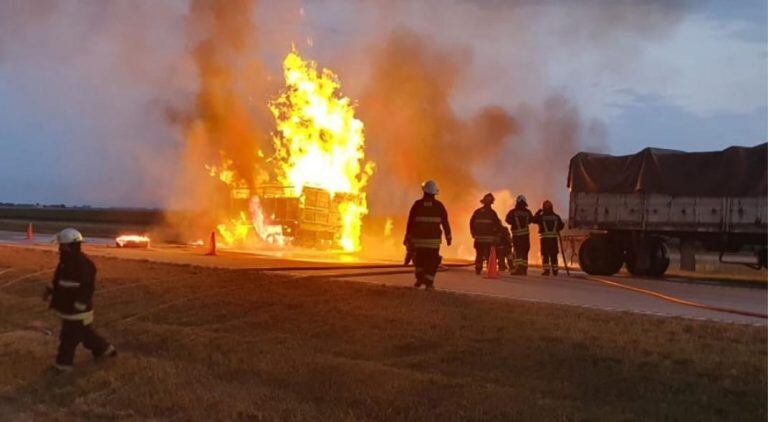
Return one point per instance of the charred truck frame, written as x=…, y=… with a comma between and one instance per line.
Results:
x=311, y=219
x=632, y=205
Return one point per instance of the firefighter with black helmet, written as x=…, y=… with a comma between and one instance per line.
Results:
x=519, y=218
x=550, y=225
x=423, y=234
x=484, y=225
x=71, y=297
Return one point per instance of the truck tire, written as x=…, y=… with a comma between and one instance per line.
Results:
x=658, y=259
x=599, y=256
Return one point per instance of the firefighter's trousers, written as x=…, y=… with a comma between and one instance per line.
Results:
x=522, y=245
x=502, y=255
x=482, y=254
x=72, y=334
x=549, y=251
x=425, y=262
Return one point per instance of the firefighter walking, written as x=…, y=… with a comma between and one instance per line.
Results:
x=423, y=234
x=71, y=297
x=519, y=218
x=550, y=225
x=484, y=225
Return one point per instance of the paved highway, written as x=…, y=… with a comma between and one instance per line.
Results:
x=667, y=297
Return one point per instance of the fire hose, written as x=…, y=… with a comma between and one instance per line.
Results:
x=675, y=299
x=345, y=267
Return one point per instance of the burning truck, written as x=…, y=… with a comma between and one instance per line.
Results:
x=315, y=196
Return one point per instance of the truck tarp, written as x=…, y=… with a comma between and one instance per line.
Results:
x=735, y=171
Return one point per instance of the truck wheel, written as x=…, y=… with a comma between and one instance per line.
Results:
x=658, y=259
x=598, y=256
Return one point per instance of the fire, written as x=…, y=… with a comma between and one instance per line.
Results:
x=319, y=144
x=132, y=241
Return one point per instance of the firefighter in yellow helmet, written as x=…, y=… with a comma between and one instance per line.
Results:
x=71, y=297
x=550, y=225
x=423, y=234
x=484, y=225
x=519, y=218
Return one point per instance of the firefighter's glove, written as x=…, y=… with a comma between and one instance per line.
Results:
x=449, y=240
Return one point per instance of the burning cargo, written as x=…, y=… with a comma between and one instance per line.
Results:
x=311, y=219
x=318, y=173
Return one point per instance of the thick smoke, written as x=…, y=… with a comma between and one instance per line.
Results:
x=414, y=133
x=221, y=119
x=466, y=93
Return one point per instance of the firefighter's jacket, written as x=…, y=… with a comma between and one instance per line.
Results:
x=73, y=287
x=505, y=239
x=425, y=220
x=485, y=225
x=519, y=218
x=550, y=224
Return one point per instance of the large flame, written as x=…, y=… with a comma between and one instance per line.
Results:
x=319, y=143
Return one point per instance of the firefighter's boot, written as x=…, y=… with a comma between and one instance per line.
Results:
x=545, y=272
x=554, y=271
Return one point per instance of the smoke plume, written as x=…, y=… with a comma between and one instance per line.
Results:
x=466, y=93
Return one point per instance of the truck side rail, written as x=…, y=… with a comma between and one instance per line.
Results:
x=665, y=213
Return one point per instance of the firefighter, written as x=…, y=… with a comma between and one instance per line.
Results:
x=484, y=227
x=550, y=225
x=71, y=297
x=423, y=234
x=504, y=249
x=519, y=218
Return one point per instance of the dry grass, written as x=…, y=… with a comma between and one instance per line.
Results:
x=203, y=344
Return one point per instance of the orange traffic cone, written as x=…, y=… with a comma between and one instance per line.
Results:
x=212, y=251
x=30, y=233
x=492, y=268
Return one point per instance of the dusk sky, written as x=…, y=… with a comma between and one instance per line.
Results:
x=81, y=104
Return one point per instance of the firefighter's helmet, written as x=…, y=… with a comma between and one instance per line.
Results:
x=547, y=205
x=69, y=236
x=430, y=187
x=488, y=199
x=521, y=200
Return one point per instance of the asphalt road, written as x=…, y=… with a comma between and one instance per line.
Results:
x=618, y=293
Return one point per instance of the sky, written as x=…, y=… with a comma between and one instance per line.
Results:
x=84, y=92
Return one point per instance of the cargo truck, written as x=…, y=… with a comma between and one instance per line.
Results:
x=310, y=219
x=633, y=206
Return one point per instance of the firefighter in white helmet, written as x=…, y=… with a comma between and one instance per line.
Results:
x=519, y=218
x=71, y=297
x=423, y=234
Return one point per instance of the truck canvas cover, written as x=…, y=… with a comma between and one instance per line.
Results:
x=735, y=171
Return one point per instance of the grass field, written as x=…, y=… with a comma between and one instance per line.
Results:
x=205, y=344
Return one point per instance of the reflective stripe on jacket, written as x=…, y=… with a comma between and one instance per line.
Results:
x=73, y=286
x=485, y=225
x=518, y=220
x=426, y=221
x=550, y=224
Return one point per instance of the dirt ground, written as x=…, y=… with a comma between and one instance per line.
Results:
x=211, y=344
